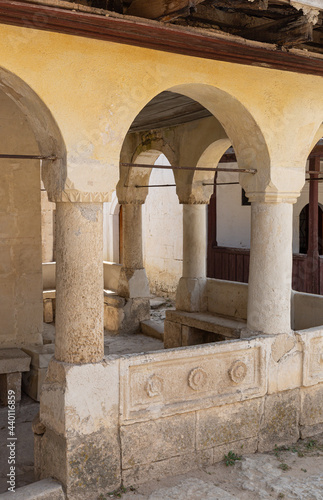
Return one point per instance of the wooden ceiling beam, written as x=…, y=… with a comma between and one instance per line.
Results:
x=162, y=10
x=157, y=36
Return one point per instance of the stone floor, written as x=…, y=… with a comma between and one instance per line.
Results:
x=294, y=472
x=25, y=412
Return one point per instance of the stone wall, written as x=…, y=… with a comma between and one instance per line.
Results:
x=152, y=415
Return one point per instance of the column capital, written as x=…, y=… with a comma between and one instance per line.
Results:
x=269, y=197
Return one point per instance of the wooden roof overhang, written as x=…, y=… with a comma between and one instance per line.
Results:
x=155, y=35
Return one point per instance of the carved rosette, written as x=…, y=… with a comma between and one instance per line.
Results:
x=154, y=386
x=238, y=372
x=197, y=379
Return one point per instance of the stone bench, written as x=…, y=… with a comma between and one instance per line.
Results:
x=191, y=328
x=12, y=363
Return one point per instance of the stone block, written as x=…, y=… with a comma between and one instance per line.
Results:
x=280, y=423
x=113, y=300
x=311, y=419
x=227, y=298
x=243, y=447
x=40, y=355
x=152, y=441
x=47, y=489
x=207, y=322
x=190, y=294
x=32, y=382
x=182, y=464
x=10, y=382
x=48, y=313
x=13, y=360
x=172, y=334
x=229, y=423
x=152, y=329
x=285, y=365
x=113, y=318
x=80, y=409
x=312, y=341
x=167, y=382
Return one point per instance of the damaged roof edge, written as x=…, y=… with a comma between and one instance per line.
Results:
x=139, y=32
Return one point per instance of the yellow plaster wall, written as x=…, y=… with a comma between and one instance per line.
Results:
x=95, y=89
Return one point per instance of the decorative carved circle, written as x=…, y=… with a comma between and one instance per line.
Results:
x=238, y=372
x=197, y=379
x=154, y=386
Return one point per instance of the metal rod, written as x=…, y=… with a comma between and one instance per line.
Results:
x=156, y=186
x=28, y=157
x=219, y=183
x=198, y=169
x=174, y=185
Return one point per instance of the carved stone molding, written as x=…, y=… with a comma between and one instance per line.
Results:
x=154, y=386
x=238, y=372
x=197, y=379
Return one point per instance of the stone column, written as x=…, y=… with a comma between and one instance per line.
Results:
x=191, y=286
x=133, y=278
x=79, y=283
x=132, y=236
x=270, y=274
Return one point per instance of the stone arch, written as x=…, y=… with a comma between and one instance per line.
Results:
x=242, y=130
x=197, y=191
x=130, y=177
x=48, y=138
x=317, y=137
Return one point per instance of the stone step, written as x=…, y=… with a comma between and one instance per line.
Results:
x=47, y=489
x=157, y=302
x=153, y=329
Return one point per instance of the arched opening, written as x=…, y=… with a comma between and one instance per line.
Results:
x=28, y=128
x=193, y=142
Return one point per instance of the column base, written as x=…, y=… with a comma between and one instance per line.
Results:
x=190, y=295
x=125, y=315
x=133, y=283
x=76, y=438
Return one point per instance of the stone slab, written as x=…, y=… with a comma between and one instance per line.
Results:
x=229, y=423
x=47, y=489
x=152, y=441
x=152, y=329
x=157, y=302
x=192, y=489
x=311, y=408
x=32, y=382
x=182, y=464
x=10, y=382
x=280, y=423
x=172, y=334
x=13, y=360
x=165, y=383
x=40, y=355
x=228, y=327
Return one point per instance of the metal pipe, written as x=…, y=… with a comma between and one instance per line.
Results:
x=198, y=169
x=28, y=157
x=174, y=185
x=219, y=183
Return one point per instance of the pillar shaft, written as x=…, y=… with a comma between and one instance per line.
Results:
x=270, y=274
x=79, y=282
x=132, y=236
x=194, y=241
